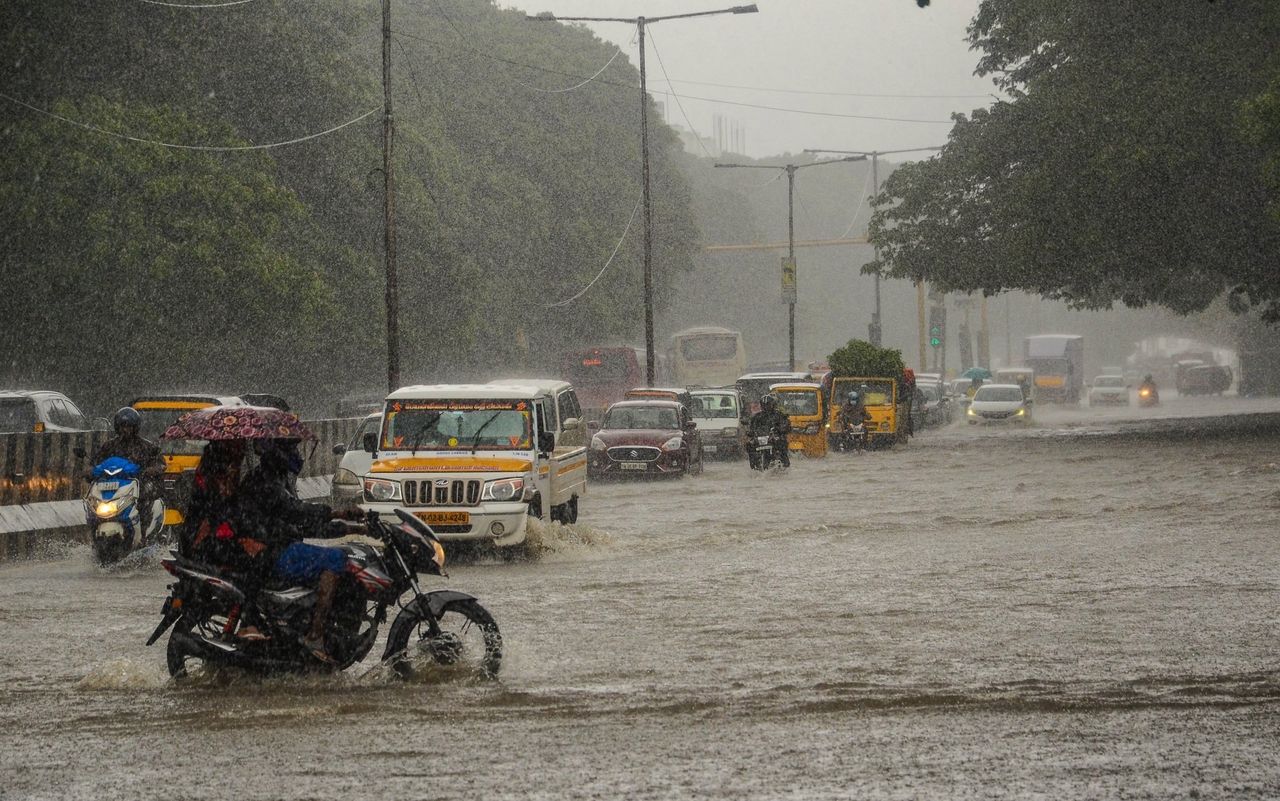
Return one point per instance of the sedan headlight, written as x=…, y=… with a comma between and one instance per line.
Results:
x=503, y=489
x=376, y=489
x=1021, y=412
x=345, y=478
x=970, y=412
x=672, y=444
x=597, y=444
x=106, y=509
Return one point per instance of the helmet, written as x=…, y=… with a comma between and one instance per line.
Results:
x=853, y=397
x=1147, y=378
x=126, y=418
x=769, y=403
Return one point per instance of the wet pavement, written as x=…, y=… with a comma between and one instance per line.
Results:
x=1083, y=609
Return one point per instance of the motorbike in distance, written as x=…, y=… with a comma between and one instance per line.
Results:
x=1148, y=395
x=111, y=510
x=853, y=436
x=205, y=608
x=764, y=451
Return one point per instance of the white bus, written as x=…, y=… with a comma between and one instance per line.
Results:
x=707, y=357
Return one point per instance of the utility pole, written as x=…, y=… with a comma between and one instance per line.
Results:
x=874, y=331
x=791, y=236
x=640, y=23
x=389, y=208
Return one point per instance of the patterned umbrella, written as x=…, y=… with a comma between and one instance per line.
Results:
x=238, y=422
x=977, y=372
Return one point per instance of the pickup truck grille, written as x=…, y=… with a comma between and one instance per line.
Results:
x=442, y=492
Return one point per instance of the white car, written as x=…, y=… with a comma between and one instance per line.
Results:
x=347, y=487
x=720, y=418
x=998, y=403
x=1109, y=389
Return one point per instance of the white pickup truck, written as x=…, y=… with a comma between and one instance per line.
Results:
x=474, y=461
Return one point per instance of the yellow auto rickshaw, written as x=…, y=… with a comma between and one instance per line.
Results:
x=804, y=405
x=880, y=395
x=181, y=456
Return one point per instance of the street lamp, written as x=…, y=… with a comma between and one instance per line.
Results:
x=640, y=23
x=791, y=231
x=873, y=330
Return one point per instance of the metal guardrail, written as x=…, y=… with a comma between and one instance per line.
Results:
x=40, y=474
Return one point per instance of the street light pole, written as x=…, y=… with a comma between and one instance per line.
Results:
x=791, y=231
x=389, y=209
x=874, y=330
x=640, y=23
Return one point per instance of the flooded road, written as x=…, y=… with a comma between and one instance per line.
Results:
x=1087, y=608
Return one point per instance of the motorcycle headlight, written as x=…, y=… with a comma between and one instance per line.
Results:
x=503, y=489
x=672, y=444
x=376, y=489
x=597, y=444
x=345, y=478
x=106, y=509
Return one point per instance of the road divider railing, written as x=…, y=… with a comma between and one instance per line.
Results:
x=42, y=480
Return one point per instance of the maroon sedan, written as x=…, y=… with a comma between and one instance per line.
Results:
x=645, y=438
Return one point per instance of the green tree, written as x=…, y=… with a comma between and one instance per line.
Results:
x=1117, y=171
x=860, y=358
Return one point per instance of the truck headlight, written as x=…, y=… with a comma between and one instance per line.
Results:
x=503, y=489
x=345, y=478
x=376, y=489
x=672, y=444
x=597, y=444
x=106, y=509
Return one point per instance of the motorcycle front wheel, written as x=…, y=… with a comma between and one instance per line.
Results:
x=109, y=551
x=184, y=666
x=467, y=641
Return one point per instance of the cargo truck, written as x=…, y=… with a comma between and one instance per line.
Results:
x=1058, y=360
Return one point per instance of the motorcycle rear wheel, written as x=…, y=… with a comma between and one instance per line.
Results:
x=468, y=641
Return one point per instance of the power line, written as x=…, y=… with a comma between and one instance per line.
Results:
x=176, y=146
x=679, y=105
x=616, y=248
x=633, y=87
x=196, y=5
x=826, y=94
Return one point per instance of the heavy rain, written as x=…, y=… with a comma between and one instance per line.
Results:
x=639, y=399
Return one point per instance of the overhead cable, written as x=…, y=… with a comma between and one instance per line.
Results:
x=679, y=105
x=177, y=146
x=827, y=94
x=196, y=5
x=616, y=248
x=862, y=199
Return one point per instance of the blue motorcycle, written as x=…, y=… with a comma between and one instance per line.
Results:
x=111, y=509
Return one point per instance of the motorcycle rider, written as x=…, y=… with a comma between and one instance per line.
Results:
x=129, y=444
x=772, y=421
x=854, y=411
x=1148, y=383
x=282, y=521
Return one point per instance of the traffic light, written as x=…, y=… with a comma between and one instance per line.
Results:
x=937, y=325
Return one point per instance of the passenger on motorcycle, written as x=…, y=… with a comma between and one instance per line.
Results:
x=772, y=421
x=283, y=521
x=129, y=444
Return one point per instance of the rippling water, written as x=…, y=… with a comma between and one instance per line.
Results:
x=1084, y=609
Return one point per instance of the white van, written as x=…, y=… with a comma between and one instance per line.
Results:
x=474, y=461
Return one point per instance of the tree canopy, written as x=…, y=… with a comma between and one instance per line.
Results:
x=1129, y=162
x=511, y=196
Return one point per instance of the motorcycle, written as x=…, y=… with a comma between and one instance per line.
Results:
x=764, y=451
x=1148, y=395
x=112, y=514
x=853, y=437
x=443, y=627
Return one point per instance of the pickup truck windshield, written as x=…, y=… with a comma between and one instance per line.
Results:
x=448, y=425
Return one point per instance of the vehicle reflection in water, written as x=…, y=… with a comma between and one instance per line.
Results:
x=1086, y=607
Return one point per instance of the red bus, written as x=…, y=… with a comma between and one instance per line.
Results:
x=601, y=375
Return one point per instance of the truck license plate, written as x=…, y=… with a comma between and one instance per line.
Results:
x=444, y=518
x=635, y=465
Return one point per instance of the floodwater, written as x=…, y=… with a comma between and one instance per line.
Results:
x=1084, y=609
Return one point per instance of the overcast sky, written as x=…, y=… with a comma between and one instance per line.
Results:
x=857, y=47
